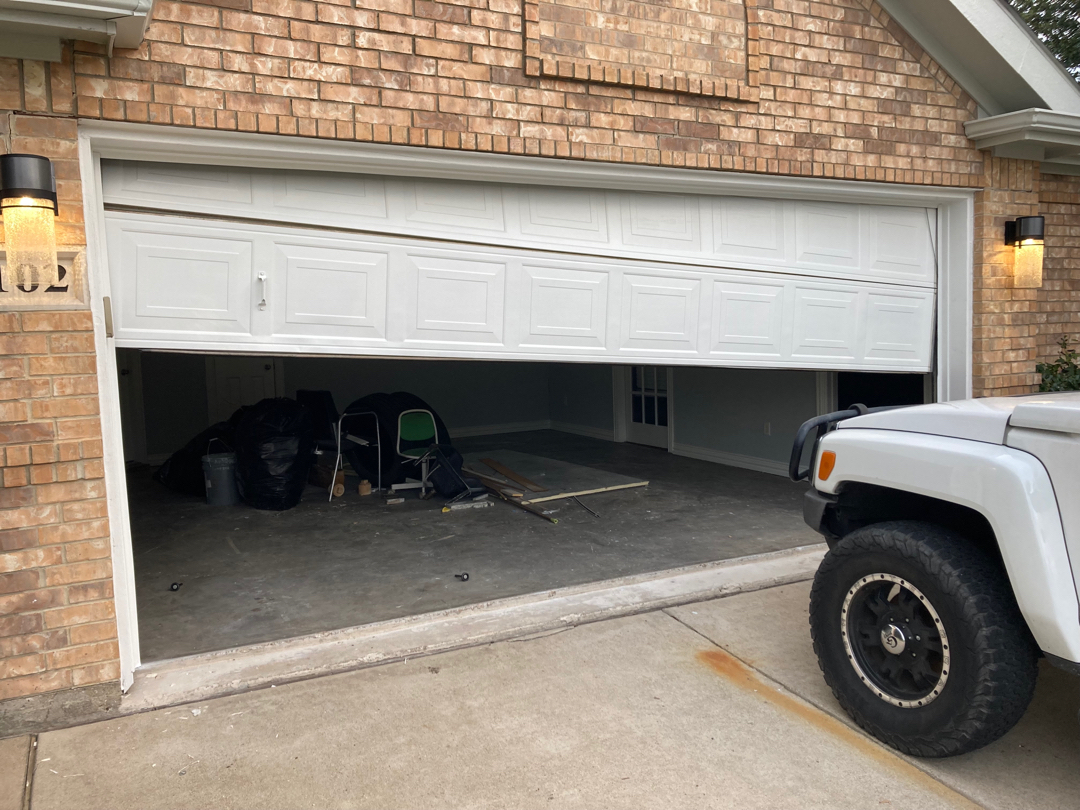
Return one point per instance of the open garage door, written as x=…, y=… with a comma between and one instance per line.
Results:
x=223, y=259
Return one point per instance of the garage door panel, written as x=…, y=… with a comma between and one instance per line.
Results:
x=747, y=319
x=564, y=213
x=456, y=299
x=362, y=198
x=895, y=325
x=662, y=221
x=659, y=313
x=448, y=207
x=197, y=185
x=566, y=307
x=816, y=239
x=899, y=243
x=172, y=280
x=746, y=228
x=827, y=235
x=826, y=323
x=339, y=292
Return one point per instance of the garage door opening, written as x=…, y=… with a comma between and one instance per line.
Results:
x=246, y=576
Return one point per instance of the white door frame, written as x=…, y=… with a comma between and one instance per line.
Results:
x=825, y=383
x=620, y=377
x=212, y=378
x=124, y=141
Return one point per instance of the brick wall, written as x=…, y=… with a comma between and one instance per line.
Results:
x=1059, y=298
x=843, y=91
x=1017, y=328
x=56, y=611
x=1005, y=319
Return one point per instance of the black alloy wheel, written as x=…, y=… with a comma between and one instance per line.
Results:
x=919, y=636
x=895, y=640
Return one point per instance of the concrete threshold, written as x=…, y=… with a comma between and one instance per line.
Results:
x=208, y=675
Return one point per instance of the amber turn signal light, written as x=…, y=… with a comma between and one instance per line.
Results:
x=825, y=466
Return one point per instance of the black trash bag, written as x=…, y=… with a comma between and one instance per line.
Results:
x=183, y=471
x=446, y=476
x=237, y=415
x=274, y=448
x=388, y=407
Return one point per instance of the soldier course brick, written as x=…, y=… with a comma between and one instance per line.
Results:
x=684, y=46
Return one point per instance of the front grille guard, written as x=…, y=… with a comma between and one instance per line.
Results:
x=819, y=426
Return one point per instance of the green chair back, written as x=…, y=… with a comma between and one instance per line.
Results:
x=416, y=432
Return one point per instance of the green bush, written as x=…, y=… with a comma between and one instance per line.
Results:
x=1063, y=375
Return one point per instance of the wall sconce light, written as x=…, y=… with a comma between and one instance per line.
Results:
x=28, y=207
x=1026, y=234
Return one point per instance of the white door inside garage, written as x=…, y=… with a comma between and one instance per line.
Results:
x=277, y=261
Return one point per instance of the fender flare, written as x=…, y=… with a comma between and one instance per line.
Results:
x=1009, y=487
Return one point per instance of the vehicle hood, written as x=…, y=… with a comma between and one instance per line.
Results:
x=981, y=420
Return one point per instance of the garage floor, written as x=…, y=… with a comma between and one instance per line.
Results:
x=251, y=576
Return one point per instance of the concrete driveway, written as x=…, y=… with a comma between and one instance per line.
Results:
x=716, y=704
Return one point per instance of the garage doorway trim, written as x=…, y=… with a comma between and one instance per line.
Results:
x=125, y=141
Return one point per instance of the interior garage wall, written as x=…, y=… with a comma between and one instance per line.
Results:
x=581, y=399
x=473, y=398
x=174, y=400
x=720, y=414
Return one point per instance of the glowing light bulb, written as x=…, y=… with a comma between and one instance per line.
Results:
x=30, y=243
x=28, y=208
x=1028, y=267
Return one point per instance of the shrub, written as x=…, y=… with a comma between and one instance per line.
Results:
x=1064, y=374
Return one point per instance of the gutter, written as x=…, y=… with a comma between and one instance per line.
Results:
x=33, y=29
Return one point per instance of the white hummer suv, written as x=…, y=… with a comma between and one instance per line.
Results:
x=954, y=560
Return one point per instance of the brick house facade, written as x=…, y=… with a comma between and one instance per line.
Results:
x=829, y=89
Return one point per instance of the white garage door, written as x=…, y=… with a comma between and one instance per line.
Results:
x=222, y=259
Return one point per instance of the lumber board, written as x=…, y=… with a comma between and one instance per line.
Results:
x=561, y=479
x=489, y=481
x=506, y=472
x=521, y=504
x=596, y=491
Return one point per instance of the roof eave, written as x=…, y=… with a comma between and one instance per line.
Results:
x=1047, y=136
x=988, y=48
x=33, y=29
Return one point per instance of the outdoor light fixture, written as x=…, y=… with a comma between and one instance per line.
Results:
x=1026, y=234
x=28, y=207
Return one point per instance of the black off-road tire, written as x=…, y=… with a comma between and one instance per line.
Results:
x=993, y=664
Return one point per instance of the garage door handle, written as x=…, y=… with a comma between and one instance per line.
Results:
x=262, y=282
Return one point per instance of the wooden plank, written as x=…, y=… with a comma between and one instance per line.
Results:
x=490, y=482
x=521, y=504
x=586, y=492
x=506, y=472
x=560, y=478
